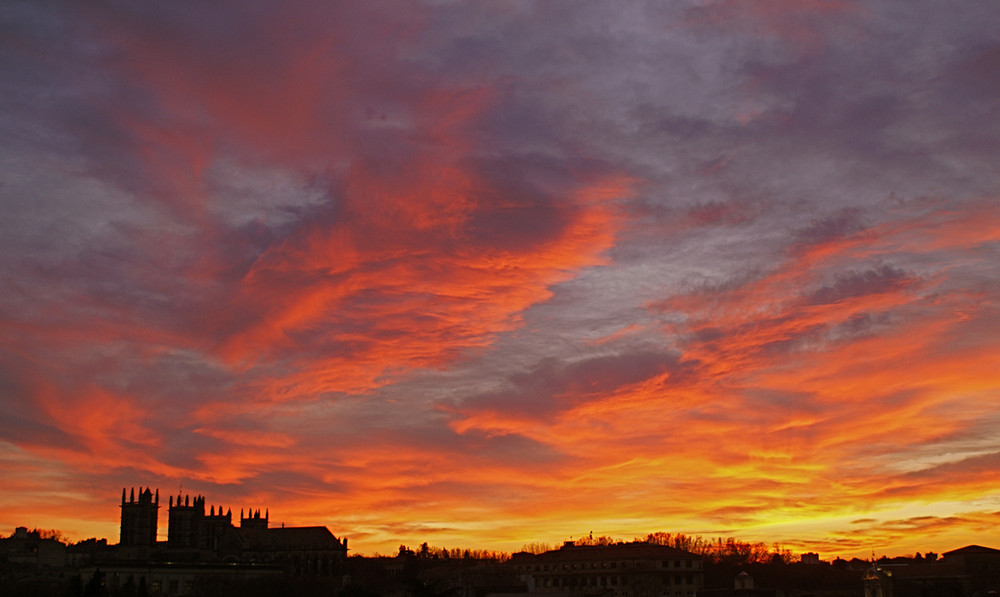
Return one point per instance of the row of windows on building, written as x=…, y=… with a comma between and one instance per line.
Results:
x=156, y=585
x=609, y=581
x=596, y=565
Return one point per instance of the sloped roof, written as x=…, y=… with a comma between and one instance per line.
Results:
x=971, y=549
x=291, y=538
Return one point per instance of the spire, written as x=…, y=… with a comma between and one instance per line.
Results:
x=212, y=513
x=131, y=497
x=171, y=501
x=123, y=496
x=157, y=495
x=241, y=513
x=266, y=513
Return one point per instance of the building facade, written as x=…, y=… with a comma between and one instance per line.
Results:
x=618, y=570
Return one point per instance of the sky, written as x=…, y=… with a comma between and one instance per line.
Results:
x=483, y=274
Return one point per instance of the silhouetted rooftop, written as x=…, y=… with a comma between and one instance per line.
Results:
x=971, y=549
x=298, y=537
x=634, y=550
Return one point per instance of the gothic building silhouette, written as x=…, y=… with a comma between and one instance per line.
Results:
x=197, y=535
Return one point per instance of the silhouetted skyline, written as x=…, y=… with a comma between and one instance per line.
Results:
x=486, y=274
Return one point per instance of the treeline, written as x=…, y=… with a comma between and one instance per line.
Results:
x=428, y=552
x=44, y=534
x=727, y=550
x=718, y=550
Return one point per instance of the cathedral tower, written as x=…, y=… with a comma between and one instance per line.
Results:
x=138, y=527
x=252, y=521
x=185, y=518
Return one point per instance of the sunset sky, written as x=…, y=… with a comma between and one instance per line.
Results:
x=483, y=274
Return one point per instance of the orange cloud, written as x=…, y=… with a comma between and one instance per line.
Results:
x=809, y=392
x=418, y=260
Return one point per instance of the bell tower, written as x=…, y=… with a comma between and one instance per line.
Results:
x=139, y=514
x=184, y=521
x=253, y=522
